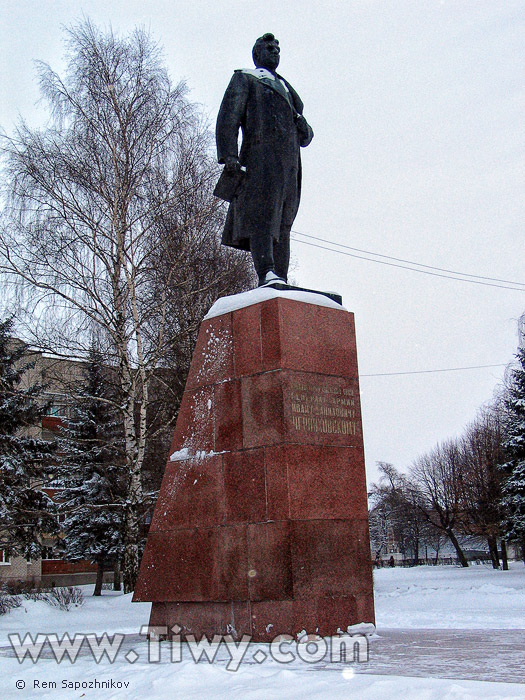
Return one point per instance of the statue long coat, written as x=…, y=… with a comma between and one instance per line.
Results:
x=272, y=133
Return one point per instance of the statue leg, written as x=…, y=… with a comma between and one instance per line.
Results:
x=262, y=250
x=281, y=253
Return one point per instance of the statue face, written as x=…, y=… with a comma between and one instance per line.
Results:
x=268, y=55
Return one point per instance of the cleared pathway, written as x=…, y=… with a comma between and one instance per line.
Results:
x=482, y=655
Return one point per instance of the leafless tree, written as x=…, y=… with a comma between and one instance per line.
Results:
x=438, y=476
x=111, y=224
x=482, y=454
x=396, y=514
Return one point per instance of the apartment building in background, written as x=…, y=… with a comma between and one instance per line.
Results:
x=59, y=375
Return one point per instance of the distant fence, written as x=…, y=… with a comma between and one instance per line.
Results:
x=441, y=561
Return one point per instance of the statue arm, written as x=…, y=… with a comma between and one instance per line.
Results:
x=230, y=117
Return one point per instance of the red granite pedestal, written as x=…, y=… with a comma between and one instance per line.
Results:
x=261, y=526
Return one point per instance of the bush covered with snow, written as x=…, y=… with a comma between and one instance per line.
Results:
x=8, y=601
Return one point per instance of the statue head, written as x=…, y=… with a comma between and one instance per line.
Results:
x=266, y=52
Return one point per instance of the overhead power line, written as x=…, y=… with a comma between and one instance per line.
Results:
x=410, y=262
x=430, y=371
x=429, y=269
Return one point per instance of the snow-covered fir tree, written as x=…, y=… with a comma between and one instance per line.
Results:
x=90, y=474
x=514, y=485
x=26, y=512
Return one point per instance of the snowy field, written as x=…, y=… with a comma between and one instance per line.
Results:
x=415, y=600
x=449, y=597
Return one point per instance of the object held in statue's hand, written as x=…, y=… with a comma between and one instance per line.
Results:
x=229, y=184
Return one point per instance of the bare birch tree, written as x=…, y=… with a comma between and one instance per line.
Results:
x=109, y=207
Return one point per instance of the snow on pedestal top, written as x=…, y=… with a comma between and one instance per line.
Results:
x=238, y=301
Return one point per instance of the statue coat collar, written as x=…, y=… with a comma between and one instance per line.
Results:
x=276, y=82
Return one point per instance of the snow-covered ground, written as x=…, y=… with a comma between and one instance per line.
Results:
x=422, y=597
x=451, y=597
x=111, y=612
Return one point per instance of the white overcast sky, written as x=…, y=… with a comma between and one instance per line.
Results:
x=418, y=111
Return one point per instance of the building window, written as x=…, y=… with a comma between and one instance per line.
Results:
x=59, y=406
x=4, y=557
x=57, y=410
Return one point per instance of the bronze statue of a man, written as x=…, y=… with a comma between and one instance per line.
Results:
x=263, y=206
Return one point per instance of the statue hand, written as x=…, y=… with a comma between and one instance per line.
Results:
x=301, y=124
x=304, y=130
x=232, y=165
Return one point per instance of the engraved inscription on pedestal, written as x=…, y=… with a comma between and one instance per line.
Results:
x=322, y=408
